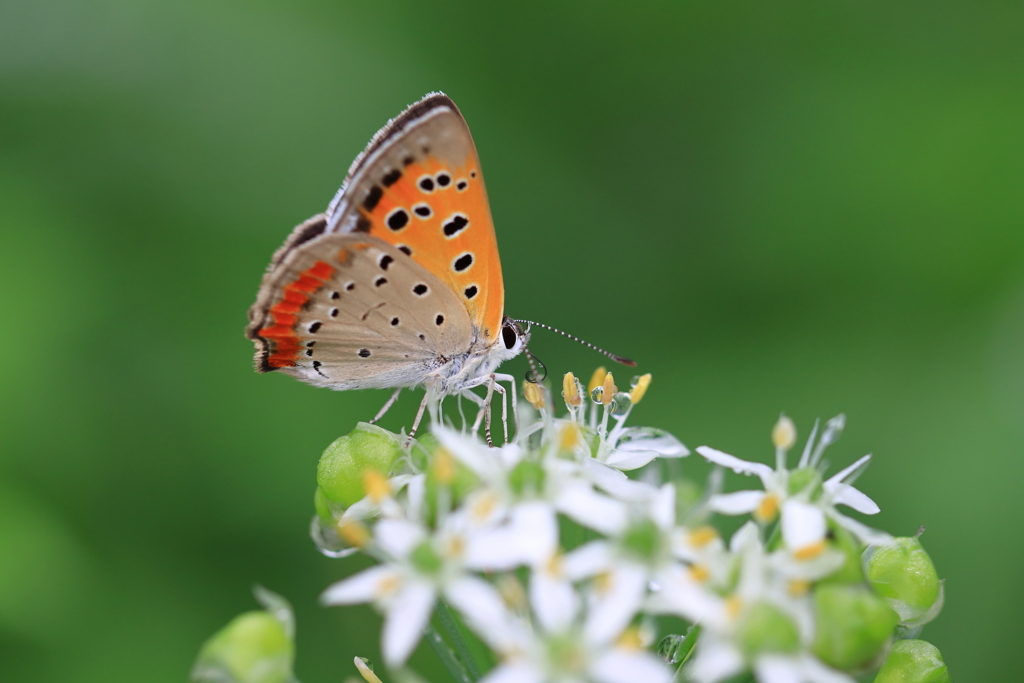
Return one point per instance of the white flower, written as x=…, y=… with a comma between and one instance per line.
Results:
x=420, y=566
x=566, y=651
x=764, y=597
x=803, y=503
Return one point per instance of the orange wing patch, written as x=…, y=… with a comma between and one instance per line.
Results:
x=285, y=313
x=440, y=216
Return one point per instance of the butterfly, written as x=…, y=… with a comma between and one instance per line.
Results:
x=399, y=283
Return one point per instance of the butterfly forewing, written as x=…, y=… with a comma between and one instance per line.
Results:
x=351, y=311
x=419, y=187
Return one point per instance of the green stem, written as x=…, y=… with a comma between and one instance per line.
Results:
x=451, y=627
x=447, y=657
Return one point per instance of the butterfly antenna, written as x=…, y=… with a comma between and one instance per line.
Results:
x=617, y=359
x=538, y=371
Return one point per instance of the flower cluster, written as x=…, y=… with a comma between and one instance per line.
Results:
x=565, y=567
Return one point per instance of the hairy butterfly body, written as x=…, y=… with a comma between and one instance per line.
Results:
x=398, y=284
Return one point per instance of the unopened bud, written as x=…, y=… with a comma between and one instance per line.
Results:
x=903, y=573
x=784, y=433
x=255, y=647
x=913, y=661
x=344, y=464
x=852, y=625
x=767, y=629
x=640, y=388
x=534, y=393
x=571, y=391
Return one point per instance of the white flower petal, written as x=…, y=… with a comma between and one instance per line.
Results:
x=587, y=560
x=531, y=536
x=617, y=604
x=636, y=439
x=778, y=669
x=514, y=673
x=481, y=604
x=803, y=525
x=622, y=666
x=745, y=537
x=553, y=600
x=737, y=465
x=663, y=507
x=737, y=503
x=866, y=534
x=406, y=617
x=715, y=661
x=844, y=494
x=630, y=460
x=366, y=586
x=470, y=452
x=417, y=493
x=842, y=475
x=615, y=483
x=586, y=506
x=398, y=537
x=682, y=596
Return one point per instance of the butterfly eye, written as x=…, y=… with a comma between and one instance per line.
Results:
x=509, y=336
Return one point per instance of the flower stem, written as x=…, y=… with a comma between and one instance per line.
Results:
x=686, y=649
x=447, y=657
x=451, y=627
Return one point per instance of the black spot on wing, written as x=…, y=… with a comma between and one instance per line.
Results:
x=454, y=225
x=463, y=262
x=391, y=177
x=373, y=197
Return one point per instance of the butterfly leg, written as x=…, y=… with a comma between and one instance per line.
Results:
x=387, y=406
x=499, y=377
x=487, y=411
x=419, y=414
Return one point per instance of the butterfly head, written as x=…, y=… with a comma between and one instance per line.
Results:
x=513, y=340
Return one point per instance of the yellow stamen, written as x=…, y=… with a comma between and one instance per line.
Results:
x=353, y=533
x=511, y=591
x=483, y=506
x=733, y=605
x=699, y=573
x=387, y=586
x=570, y=392
x=597, y=379
x=702, y=535
x=784, y=433
x=376, y=485
x=640, y=389
x=809, y=552
x=609, y=389
x=799, y=587
x=768, y=509
x=569, y=437
x=554, y=565
x=443, y=466
x=603, y=582
x=455, y=547
x=363, y=666
x=631, y=639
x=534, y=394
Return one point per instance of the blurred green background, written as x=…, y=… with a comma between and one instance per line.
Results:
x=804, y=206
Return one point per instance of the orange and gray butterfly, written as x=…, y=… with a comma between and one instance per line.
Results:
x=400, y=281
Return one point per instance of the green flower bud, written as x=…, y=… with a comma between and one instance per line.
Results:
x=913, y=661
x=852, y=625
x=255, y=647
x=322, y=506
x=343, y=465
x=767, y=629
x=843, y=541
x=903, y=573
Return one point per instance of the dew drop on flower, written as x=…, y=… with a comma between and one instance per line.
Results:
x=597, y=394
x=620, y=404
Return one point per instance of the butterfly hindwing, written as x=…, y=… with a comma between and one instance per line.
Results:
x=351, y=311
x=419, y=186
